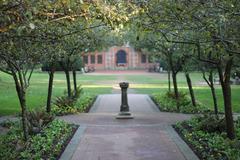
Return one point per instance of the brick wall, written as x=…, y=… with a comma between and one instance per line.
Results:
x=109, y=59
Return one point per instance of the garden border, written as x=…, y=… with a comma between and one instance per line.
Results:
x=181, y=144
x=72, y=145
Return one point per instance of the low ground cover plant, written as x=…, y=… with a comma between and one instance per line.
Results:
x=82, y=105
x=167, y=102
x=206, y=136
x=85, y=102
x=80, y=102
x=37, y=120
x=47, y=144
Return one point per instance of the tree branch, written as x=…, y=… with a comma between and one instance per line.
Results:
x=5, y=71
x=201, y=59
x=30, y=75
x=204, y=77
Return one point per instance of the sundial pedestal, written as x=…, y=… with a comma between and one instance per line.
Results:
x=124, y=108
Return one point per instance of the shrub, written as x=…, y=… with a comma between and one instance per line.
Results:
x=11, y=143
x=47, y=144
x=37, y=120
x=80, y=102
x=209, y=143
x=167, y=102
x=238, y=127
x=211, y=124
x=66, y=105
x=63, y=111
x=65, y=101
x=78, y=92
x=84, y=103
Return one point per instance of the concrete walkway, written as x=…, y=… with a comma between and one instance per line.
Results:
x=149, y=136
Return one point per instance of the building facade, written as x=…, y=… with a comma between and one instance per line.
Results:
x=117, y=58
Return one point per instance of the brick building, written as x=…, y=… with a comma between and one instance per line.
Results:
x=117, y=58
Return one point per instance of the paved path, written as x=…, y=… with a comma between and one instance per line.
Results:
x=149, y=136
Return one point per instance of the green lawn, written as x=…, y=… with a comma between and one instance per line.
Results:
x=37, y=92
x=102, y=84
x=162, y=78
x=203, y=94
x=159, y=84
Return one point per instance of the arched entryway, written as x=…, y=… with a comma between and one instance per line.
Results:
x=121, y=57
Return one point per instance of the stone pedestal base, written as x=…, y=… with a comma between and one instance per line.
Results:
x=124, y=115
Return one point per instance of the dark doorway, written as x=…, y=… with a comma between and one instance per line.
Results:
x=121, y=58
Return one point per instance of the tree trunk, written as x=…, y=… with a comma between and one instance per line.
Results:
x=22, y=99
x=226, y=90
x=74, y=81
x=213, y=93
x=210, y=83
x=189, y=82
x=24, y=115
x=174, y=77
x=68, y=83
x=50, y=86
x=170, y=67
x=169, y=80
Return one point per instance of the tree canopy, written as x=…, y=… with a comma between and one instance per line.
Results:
x=33, y=32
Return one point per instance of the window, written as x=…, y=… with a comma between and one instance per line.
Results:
x=99, y=59
x=92, y=59
x=85, y=59
x=144, y=58
x=121, y=58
